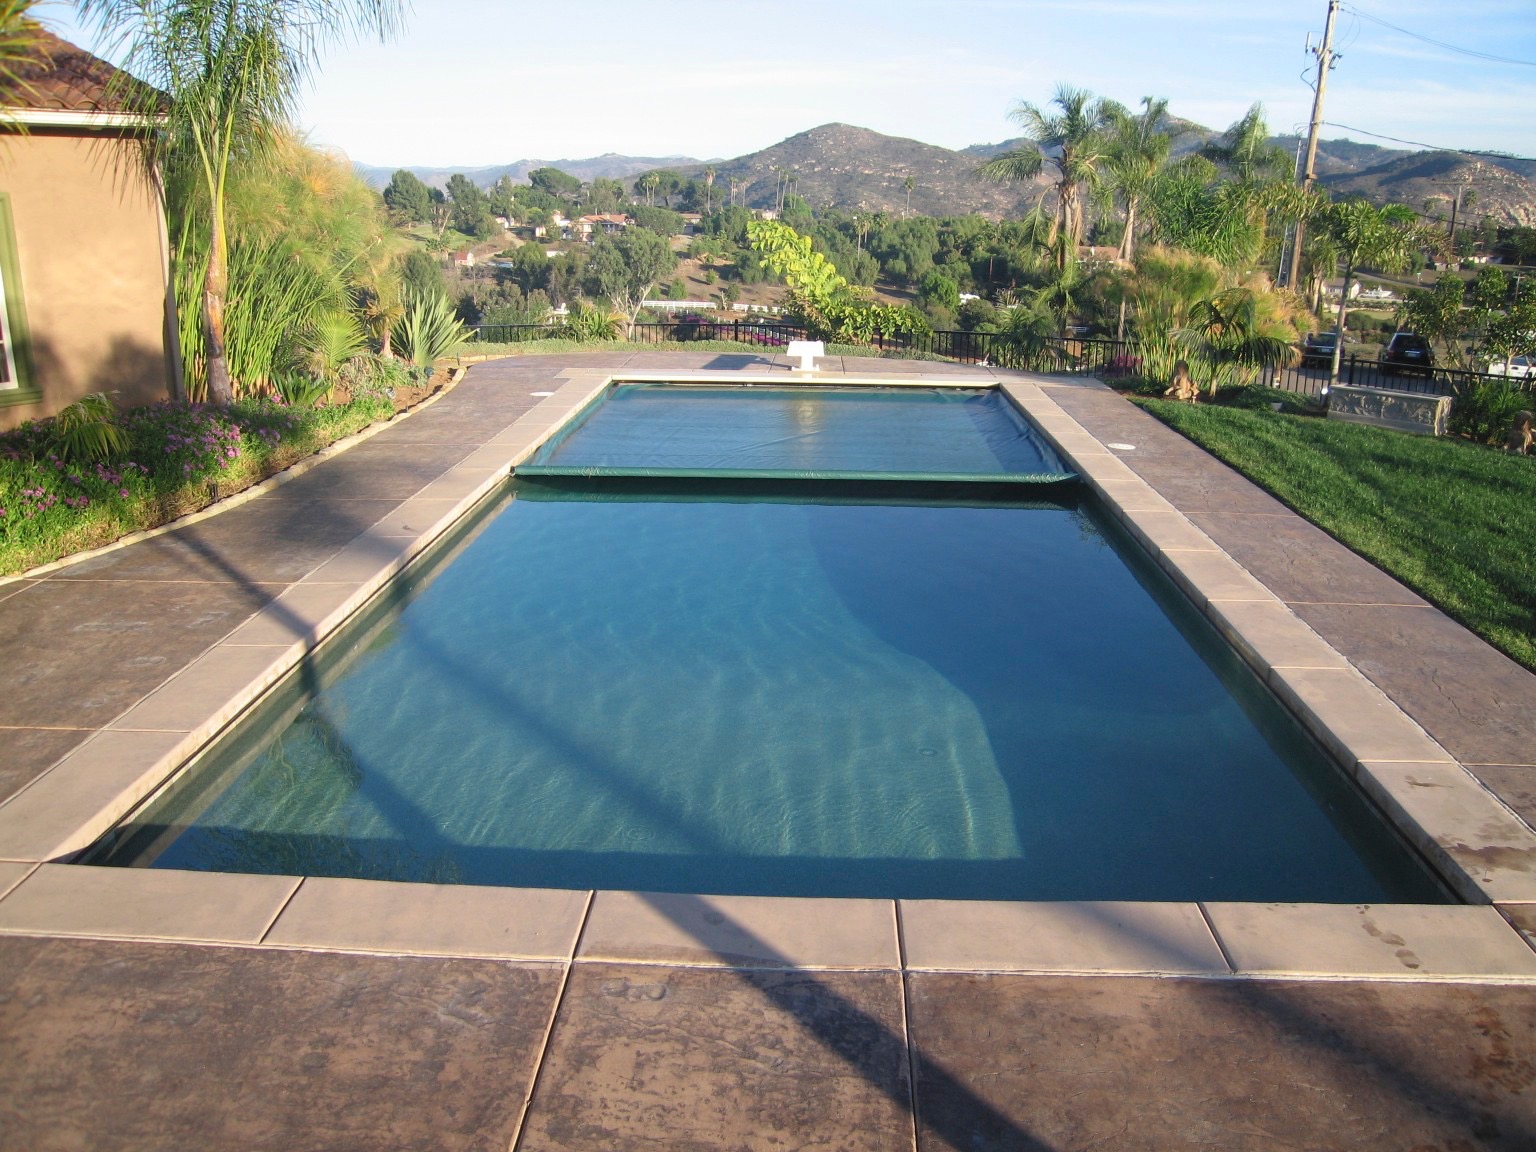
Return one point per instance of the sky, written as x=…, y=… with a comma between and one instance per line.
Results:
x=472, y=83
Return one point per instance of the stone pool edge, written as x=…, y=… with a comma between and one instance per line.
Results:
x=1480, y=848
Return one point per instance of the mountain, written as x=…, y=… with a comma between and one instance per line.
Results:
x=1505, y=189
x=609, y=165
x=855, y=169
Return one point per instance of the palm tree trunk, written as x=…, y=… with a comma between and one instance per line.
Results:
x=215, y=286
x=1127, y=242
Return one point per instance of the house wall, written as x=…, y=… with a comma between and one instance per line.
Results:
x=89, y=249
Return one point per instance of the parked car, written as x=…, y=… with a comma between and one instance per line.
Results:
x=1407, y=352
x=1317, y=349
x=1518, y=368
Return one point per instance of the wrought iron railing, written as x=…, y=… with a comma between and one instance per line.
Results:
x=1075, y=355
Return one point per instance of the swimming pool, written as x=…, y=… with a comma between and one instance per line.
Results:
x=771, y=687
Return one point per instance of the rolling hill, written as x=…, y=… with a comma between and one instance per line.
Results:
x=855, y=169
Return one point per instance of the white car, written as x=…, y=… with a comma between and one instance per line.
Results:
x=1519, y=367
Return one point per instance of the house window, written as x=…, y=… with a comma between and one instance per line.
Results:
x=7, y=350
x=16, y=381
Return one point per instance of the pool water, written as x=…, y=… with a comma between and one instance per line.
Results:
x=908, y=432
x=830, y=690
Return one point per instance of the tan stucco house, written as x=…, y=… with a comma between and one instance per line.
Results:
x=85, y=300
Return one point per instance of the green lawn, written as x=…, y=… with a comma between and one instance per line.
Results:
x=1454, y=521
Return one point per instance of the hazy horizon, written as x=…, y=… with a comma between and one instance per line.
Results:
x=470, y=84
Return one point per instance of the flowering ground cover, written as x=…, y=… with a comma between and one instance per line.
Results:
x=178, y=458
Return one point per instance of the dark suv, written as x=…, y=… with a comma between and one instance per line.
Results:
x=1317, y=349
x=1407, y=352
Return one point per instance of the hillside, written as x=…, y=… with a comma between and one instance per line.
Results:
x=609, y=165
x=855, y=169
x=1413, y=178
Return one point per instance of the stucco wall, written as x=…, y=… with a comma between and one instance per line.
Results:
x=90, y=250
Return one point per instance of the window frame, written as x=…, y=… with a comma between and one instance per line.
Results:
x=22, y=387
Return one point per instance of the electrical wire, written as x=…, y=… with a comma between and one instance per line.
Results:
x=1433, y=147
x=1353, y=11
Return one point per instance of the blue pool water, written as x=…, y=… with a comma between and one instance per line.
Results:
x=838, y=690
x=692, y=430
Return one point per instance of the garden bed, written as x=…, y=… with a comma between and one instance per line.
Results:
x=179, y=459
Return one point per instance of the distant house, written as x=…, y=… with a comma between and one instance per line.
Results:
x=86, y=299
x=587, y=228
x=691, y=222
x=464, y=259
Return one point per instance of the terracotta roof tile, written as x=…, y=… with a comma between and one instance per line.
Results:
x=70, y=79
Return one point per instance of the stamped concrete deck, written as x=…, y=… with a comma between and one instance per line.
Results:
x=169, y=1010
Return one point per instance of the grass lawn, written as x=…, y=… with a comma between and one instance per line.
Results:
x=1454, y=521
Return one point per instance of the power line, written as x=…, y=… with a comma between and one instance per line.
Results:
x=1433, y=147
x=1353, y=11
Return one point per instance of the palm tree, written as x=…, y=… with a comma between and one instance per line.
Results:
x=232, y=70
x=21, y=50
x=1385, y=238
x=648, y=184
x=909, y=183
x=1078, y=135
x=709, y=190
x=1138, y=150
x=1225, y=330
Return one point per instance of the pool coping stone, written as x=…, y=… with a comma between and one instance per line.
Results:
x=91, y=788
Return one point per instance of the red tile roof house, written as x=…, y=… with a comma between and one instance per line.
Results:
x=84, y=267
x=607, y=223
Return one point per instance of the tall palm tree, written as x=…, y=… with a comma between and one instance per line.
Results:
x=1077, y=135
x=909, y=183
x=232, y=70
x=1138, y=149
x=1384, y=238
x=709, y=190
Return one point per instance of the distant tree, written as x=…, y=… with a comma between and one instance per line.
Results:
x=408, y=198
x=420, y=274
x=939, y=290
x=530, y=267
x=909, y=183
x=709, y=189
x=623, y=270
x=662, y=221
x=1382, y=238
x=553, y=182
x=1138, y=150
x=605, y=196
x=1078, y=139
x=647, y=185
x=502, y=197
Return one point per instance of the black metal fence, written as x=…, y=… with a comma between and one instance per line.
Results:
x=756, y=333
x=1084, y=356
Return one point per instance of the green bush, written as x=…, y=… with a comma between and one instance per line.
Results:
x=176, y=458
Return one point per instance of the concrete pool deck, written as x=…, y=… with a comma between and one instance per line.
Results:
x=291, y=1012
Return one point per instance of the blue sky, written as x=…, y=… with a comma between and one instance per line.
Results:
x=480, y=82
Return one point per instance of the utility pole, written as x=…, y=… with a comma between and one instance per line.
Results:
x=1325, y=59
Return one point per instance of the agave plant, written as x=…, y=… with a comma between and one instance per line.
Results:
x=300, y=391
x=84, y=430
x=429, y=330
x=586, y=323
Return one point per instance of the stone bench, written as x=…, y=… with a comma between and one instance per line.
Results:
x=1417, y=412
x=806, y=352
